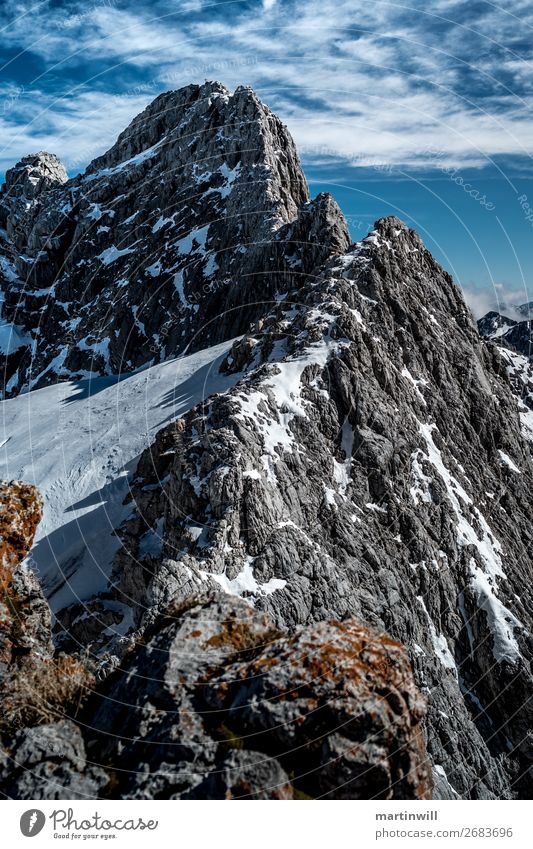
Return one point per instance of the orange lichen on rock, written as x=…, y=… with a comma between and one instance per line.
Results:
x=21, y=508
x=344, y=699
x=22, y=606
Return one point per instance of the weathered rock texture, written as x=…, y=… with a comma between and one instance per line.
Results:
x=372, y=460
x=510, y=343
x=216, y=703
x=25, y=624
x=369, y=462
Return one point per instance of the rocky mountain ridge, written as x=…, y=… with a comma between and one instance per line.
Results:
x=369, y=458
x=513, y=341
x=335, y=479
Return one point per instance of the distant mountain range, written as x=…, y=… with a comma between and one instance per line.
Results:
x=516, y=335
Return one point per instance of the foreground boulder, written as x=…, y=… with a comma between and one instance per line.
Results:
x=218, y=704
x=49, y=762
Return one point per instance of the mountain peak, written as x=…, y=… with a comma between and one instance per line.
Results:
x=199, y=208
x=34, y=173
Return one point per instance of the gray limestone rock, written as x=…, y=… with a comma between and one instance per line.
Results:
x=48, y=762
x=347, y=475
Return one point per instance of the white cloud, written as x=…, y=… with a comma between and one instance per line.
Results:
x=76, y=129
x=378, y=83
x=501, y=298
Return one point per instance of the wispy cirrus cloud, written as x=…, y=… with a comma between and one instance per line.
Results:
x=78, y=128
x=388, y=82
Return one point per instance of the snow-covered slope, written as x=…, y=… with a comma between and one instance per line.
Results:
x=78, y=443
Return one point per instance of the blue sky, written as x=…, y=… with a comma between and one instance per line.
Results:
x=421, y=109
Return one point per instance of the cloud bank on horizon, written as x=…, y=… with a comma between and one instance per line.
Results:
x=415, y=88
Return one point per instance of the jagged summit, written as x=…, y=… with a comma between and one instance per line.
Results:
x=495, y=323
x=25, y=184
x=173, y=108
x=34, y=174
x=162, y=115
x=199, y=208
x=394, y=226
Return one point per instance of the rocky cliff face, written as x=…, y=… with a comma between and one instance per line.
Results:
x=25, y=624
x=369, y=458
x=510, y=343
x=369, y=461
